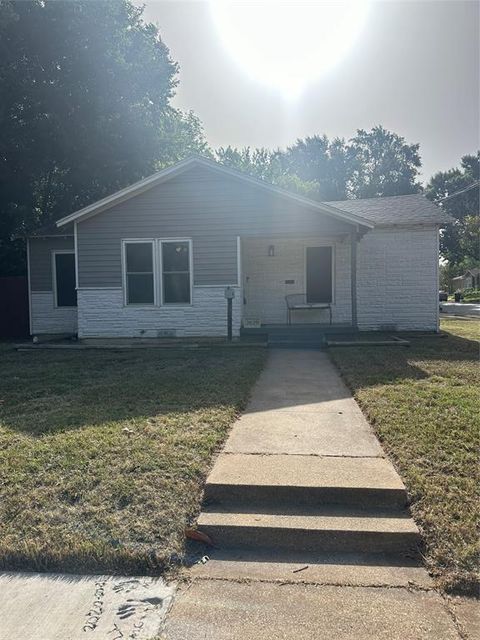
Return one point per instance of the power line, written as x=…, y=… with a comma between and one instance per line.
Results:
x=457, y=193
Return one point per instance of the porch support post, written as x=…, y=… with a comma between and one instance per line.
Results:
x=353, y=275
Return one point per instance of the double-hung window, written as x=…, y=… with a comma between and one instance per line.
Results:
x=163, y=266
x=139, y=272
x=176, y=279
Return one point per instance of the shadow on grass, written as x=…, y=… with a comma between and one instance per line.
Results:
x=47, y=391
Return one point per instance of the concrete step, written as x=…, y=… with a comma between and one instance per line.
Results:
x=311, y=532
x=297, y=337
x=279, y=481
x=287, y=344
x=376, y=569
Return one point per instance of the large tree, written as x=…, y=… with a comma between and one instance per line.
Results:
x=85, y=109
x=382, y=164
x=457, y=190
x=319, y=160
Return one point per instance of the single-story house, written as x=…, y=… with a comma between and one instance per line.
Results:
x=155, y=259
x=469, y=280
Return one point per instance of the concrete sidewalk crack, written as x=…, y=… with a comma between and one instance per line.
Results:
x=450, y=609
x=301, y=455
x=411, y=586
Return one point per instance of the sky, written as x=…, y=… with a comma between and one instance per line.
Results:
x=413, y=68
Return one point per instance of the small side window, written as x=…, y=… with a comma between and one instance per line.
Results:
x=139, y=278
x=65, y=291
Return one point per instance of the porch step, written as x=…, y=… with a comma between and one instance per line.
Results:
x=297, y=340
x=291, y=329
x=296, y=343
x=282, y=481
x=311, y=532
x=287, y=344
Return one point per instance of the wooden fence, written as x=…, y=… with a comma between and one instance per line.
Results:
x=14, y=307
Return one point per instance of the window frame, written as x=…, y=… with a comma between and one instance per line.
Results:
x=56, y=252
x=315, y=246
x=158, y=288
x=160, y=243
x=126, y=303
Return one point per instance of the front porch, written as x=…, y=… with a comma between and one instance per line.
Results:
x=320, y=271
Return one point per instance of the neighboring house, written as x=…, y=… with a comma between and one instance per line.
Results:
x=469, y=280
x=155, y=258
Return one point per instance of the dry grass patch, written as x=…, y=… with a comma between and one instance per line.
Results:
x=103, y=454
x=424, y=405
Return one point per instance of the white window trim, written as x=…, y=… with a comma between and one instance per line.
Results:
x=314, y=246
x=157, y=272
x=150, y=241
x=160, y=242
x=54, y=277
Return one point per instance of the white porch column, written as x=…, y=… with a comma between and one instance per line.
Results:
x=353, y=275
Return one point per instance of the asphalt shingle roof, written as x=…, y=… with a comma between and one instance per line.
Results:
x=402, y=210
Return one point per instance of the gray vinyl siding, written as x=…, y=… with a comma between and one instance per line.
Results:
x=41, y=260
x=210, y=209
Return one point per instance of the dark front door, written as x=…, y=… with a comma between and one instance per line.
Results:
x=319, y=274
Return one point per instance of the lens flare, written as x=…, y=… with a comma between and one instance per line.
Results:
x=288, y=45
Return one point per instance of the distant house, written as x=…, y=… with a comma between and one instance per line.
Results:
x=155, y=258
x=469, y=280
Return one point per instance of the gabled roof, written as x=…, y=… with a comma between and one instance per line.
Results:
x=469, y=272
x=197, y=161
x=395, y=210
x=367, y=212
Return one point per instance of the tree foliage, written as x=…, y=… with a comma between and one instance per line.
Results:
x=85, y=109
x=318, y=160
x=371, y=164
x=383, y=164
x=459, y=242
x=266, y=165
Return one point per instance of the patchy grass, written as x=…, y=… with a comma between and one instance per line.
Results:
x=424, y=404
x=103, y=454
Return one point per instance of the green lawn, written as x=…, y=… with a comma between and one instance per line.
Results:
x=103, y=454
x=424, y=403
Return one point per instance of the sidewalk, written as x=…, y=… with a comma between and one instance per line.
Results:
x=469, y=309
x=36, y=606
x=309, y=517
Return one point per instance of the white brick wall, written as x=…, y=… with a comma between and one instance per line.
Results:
x=397, y=279
x=46, y=318
x=101, y=313
x=264, y=279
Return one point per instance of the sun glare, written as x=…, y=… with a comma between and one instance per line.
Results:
x=288, y=45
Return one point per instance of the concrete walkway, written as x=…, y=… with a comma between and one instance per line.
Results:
x=313, y=538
